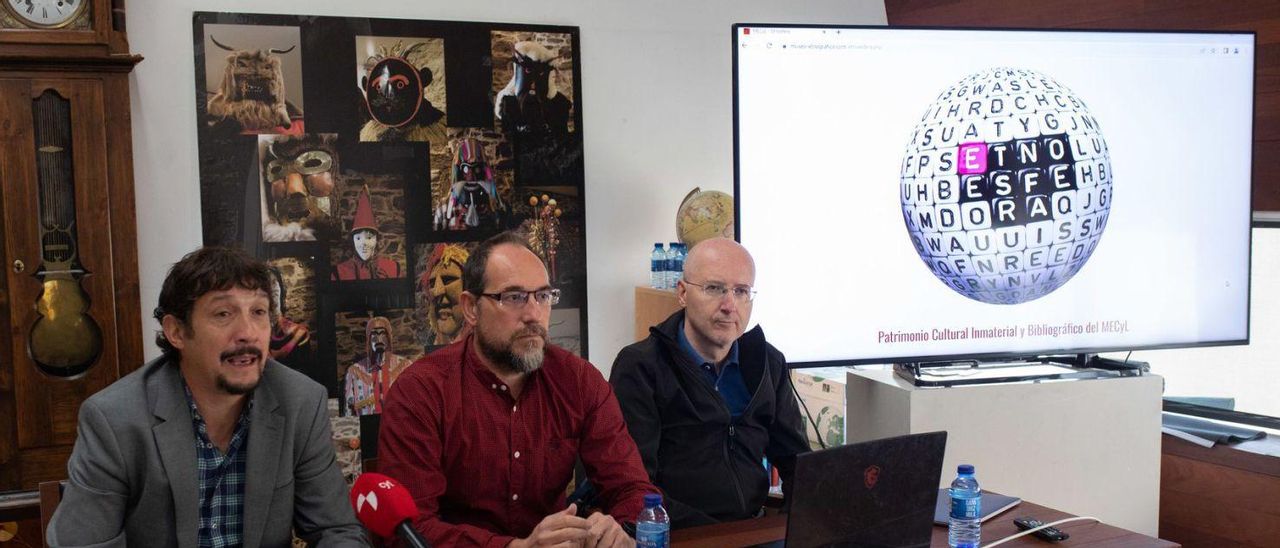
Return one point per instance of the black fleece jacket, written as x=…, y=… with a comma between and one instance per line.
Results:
x=707, y=463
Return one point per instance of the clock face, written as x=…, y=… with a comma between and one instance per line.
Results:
x=45, y=13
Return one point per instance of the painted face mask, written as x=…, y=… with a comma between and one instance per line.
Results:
x=366, y=244
x=531, y=76
x=469, y=163
x=393, y=91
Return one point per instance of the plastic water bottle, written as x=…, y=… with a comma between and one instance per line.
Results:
x=658, y=267
x=675, y=264
x=666, y=267
x=964, y=528
x=653, y=527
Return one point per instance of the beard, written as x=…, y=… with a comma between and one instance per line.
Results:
x=503, y=356
x=234, y=389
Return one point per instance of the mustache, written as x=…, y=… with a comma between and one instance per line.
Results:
x=532, y=329
x=242, y=351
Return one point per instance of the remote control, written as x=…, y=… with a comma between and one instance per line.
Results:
x=1050, y=534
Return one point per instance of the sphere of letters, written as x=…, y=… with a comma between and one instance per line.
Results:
x=704, y=214
x=1006, y=186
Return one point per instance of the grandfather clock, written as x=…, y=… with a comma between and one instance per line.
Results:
x=71, y=322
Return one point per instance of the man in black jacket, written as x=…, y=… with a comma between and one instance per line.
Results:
x=705, y=402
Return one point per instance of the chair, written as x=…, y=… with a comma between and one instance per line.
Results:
x=50, y=496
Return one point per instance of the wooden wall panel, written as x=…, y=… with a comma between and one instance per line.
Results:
x=1218, y=501
x=1261, y=16
x=1218, y=497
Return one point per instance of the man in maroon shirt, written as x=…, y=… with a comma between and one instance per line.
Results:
x=485, y=431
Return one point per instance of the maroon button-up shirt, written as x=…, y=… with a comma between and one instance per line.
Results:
x=485, y=468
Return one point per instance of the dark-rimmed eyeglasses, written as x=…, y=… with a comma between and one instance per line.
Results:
x=517, y=299
x=741, y=293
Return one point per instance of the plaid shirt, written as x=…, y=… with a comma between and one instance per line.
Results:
x=221, y=480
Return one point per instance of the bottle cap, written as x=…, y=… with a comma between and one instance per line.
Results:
x=966, y=469
x=652, y=499
x=657, y=245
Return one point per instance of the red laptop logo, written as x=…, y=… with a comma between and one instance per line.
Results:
x=870, y=476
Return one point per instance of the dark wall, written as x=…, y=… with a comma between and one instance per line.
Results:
x=1261, y=16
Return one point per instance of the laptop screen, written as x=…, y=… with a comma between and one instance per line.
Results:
x=876, y=493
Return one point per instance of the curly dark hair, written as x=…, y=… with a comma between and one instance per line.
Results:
x=201, y=271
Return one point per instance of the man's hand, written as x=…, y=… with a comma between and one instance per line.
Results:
x=605, y=532
x=563, y=529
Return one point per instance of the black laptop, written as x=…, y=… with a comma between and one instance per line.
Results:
x=867, y=495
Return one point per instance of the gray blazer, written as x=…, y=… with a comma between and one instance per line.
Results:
x=132, y=473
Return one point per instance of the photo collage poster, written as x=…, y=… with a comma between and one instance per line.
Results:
x=364, y=159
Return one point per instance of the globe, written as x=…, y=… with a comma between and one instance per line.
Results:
x=1006, y=185
x=704, y=214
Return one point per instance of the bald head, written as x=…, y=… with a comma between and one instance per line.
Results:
x=722, y=252
x=713, y=322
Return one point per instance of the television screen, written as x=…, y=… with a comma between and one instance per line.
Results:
x=927, y=194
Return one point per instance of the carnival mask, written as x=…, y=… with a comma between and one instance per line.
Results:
x=393, y=91
x=531, y=76
x=300, y=185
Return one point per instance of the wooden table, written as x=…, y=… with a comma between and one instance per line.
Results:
x=773, y=527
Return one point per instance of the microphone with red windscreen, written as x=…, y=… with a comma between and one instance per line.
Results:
x=386, y=508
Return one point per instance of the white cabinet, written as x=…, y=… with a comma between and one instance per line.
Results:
x=1088, y=447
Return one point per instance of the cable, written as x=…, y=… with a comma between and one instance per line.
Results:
x=807, y=414
x=1030, y=531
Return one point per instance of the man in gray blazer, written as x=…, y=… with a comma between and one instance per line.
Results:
x=212, y=444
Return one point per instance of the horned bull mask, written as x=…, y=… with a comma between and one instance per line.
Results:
x=252, y=89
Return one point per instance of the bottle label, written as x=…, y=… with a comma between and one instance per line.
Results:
x=966, y=508
x=651, y=536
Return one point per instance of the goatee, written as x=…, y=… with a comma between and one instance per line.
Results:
x=240, y=389
x=236, y=389
x=503, y=356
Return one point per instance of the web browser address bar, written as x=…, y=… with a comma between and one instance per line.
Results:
x=833, y=46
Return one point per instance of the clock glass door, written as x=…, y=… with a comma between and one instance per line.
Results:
x=65, y=340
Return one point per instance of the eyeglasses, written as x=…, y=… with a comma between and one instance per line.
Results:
x=517, y=299
x=741, y=293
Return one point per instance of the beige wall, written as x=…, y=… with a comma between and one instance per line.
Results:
x=657, y=111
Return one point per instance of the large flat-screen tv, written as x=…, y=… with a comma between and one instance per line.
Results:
x=930, y=194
